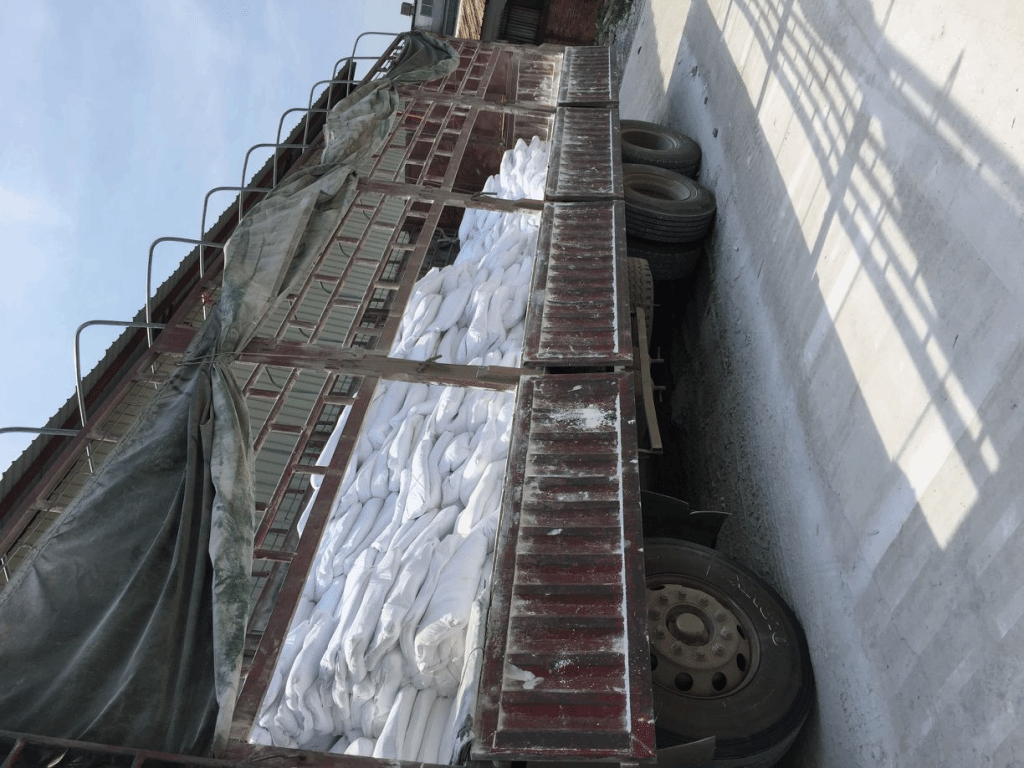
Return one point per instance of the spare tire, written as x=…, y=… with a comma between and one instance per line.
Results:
x=653, y=144
x=665, y=206
x=728, y=657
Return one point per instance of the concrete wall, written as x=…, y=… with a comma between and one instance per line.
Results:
x=861, y=317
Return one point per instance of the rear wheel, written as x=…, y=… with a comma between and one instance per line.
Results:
x=728, y=657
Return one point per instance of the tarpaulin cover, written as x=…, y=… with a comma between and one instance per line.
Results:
x=127, y=624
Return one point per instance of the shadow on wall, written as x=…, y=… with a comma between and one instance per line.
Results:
x=868, y=344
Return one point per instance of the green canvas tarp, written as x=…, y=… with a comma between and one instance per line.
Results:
x=127, y=624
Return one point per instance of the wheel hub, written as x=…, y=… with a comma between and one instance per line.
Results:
x=699, y=647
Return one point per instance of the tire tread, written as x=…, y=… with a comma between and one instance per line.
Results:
x=683, y=158
x=667, y=220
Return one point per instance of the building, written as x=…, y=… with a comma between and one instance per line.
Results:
x=564, y=22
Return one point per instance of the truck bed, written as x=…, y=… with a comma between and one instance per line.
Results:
x=565, y=673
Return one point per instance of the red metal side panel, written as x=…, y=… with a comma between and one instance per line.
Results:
x=539, y=74
x=586, y=155
x=579, y=310
x=567, y=665
x=500, y=73
x=588, y=77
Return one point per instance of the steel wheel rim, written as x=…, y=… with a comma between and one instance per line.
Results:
x=703, y=645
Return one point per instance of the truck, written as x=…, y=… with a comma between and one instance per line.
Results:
x=222, y=534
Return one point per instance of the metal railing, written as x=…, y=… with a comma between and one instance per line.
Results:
x=245, y=166
x=149, y=274
x=384, y=61
x=78, y=367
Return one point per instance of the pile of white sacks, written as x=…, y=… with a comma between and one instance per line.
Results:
x=384, y=652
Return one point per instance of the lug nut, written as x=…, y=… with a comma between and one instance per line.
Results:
x=703, y=601
x=718, y=649
x=720, y=617
x=663, y=599
x=654, y=614
x=726, y=634
x=677, y=649
x=659, y=633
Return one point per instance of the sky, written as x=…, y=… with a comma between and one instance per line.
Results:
x=116, y=117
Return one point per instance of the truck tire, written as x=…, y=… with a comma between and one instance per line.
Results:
x=668, y=261
x=728, y=656
x=653, y=144
x=664, y=205
x=641, y=290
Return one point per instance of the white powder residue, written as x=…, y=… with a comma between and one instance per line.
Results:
x=587, y=417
